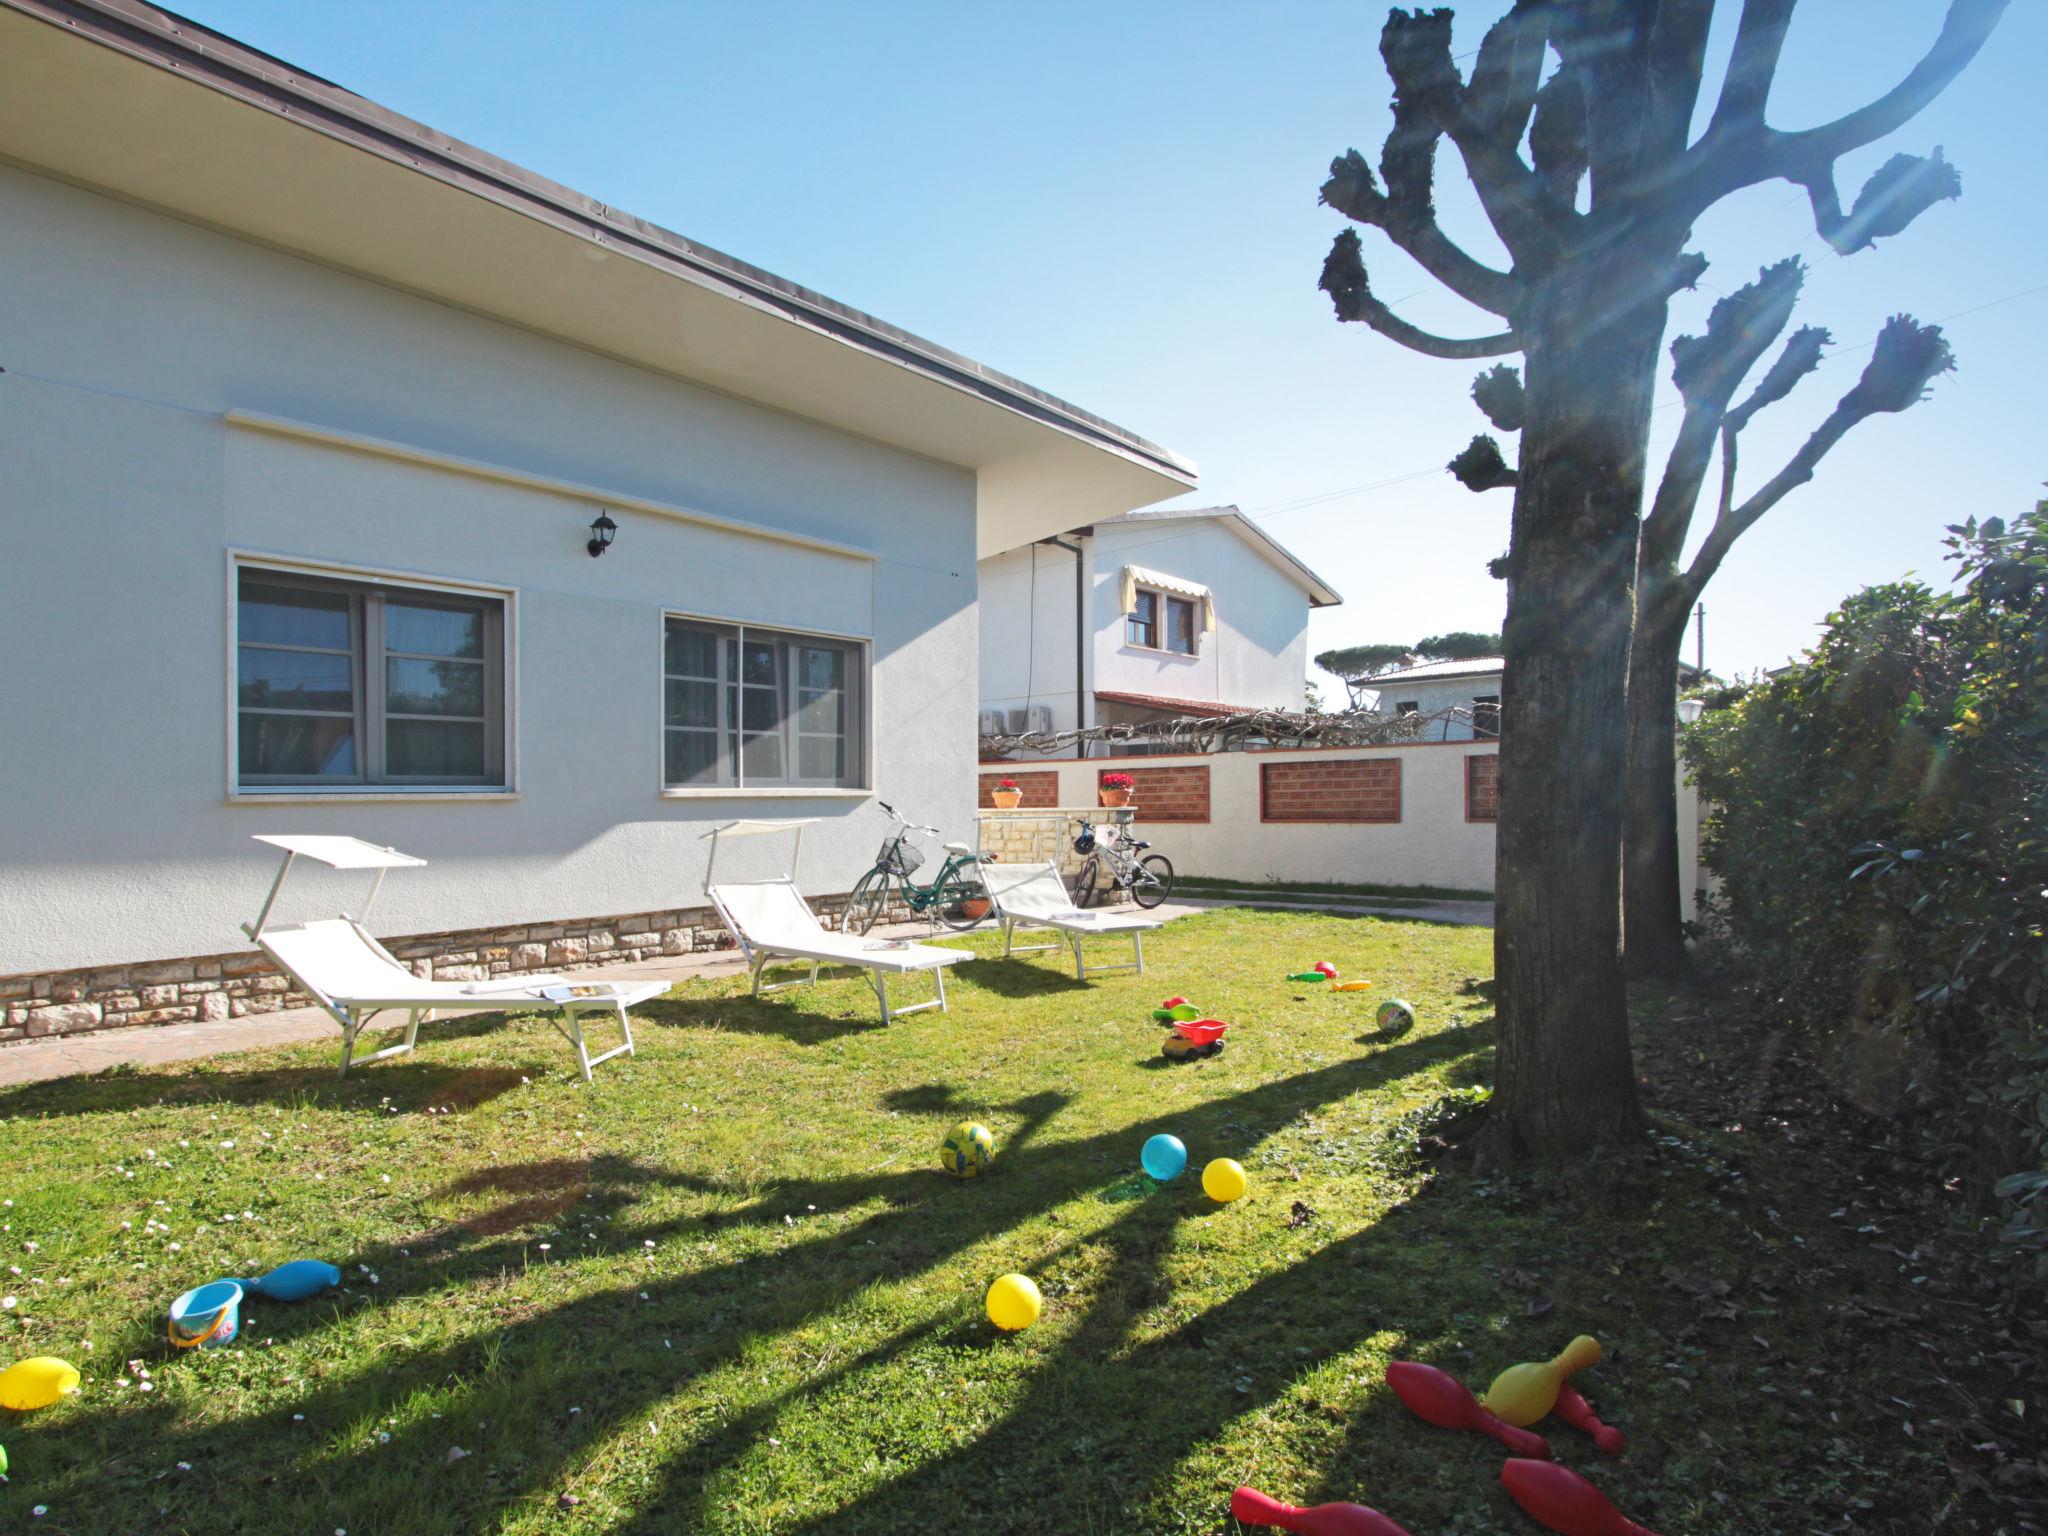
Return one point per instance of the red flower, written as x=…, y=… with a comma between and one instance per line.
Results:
x=1118, y=781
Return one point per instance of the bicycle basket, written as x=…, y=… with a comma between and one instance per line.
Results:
x=899, y=855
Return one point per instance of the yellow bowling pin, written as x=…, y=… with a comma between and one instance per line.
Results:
x=1522, y=1394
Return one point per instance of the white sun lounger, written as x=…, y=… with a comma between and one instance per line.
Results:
x=770, y=920
x=353, y=977
x=1034, y=896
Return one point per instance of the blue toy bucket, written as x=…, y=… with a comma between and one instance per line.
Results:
x=207, y=1316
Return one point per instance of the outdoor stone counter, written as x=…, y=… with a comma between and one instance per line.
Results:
x=1033, y=834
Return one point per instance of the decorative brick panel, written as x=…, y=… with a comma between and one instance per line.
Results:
x=1168, y=794
x=1482, y=787
x=1331, y=790
x=1041, y=789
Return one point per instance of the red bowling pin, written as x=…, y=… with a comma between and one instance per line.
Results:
x=1578, y=1413
x=1254, y=1508
x=1561, y=1499
x=1441, y=1399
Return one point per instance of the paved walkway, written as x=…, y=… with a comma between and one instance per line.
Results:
x=37, y=1061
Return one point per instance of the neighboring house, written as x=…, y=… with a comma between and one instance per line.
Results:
x=1171, y=613
x=1468, y=685
x=309, y=414
x=1472, y=685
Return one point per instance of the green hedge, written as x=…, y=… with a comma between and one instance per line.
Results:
x=1879, y=824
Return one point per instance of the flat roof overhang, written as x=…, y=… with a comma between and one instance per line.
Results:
x=136, y=102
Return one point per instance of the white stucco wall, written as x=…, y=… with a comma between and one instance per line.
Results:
x=1258, y=653
x=1027, y=632
x=1432, y=843
x=126, y=336
x=1432, y=694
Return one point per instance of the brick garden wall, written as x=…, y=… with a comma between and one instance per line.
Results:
x=1482, y=787
x=1041, y=789
x=1179, y=793
x=1333, y=789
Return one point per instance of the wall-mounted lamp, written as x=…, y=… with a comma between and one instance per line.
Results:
x=602, y=533
x=1690, y=710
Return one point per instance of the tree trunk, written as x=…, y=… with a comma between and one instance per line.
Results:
x=1653, y=931
x=1565, y=1081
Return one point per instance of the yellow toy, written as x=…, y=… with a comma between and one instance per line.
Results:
x=1522, y=1394
x=36, y=1382
x=1013, y=1303
x=1223, y=1180
x=967, y=1150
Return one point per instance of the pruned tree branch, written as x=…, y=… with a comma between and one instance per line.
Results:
x=1498, y=393
x=1800, y=357
x=1481, y=468
x=1416, y=47
x=1898, y=192
x=1740, y=149
x=1410, y=222
x=1344, y=280
x=1908, y=358
x=1752, y=66
x=1558, y=137
x=1964, y=31
x=1708, y=369
x=1509, y=69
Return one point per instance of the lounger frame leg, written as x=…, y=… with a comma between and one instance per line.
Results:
x=880, y=981
x=761, y=965
x=354, y=1022
x=571, y=1029
x=1011, y=947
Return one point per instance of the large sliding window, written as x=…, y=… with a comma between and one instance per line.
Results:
x=342, y=682
x=749, y=708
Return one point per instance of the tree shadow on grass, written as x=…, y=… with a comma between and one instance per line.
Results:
x=417, y=1079
x=1020, y=978
x=780, y=1015
x=624, y=1352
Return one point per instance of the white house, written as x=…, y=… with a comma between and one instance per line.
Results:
x=313, y=423
x=1472, y=686
x=1170, y=613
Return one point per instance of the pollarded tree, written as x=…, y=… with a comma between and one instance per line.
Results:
x=1458, y=645
x=1585, y=304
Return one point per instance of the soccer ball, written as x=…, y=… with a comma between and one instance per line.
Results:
x=967, y=1150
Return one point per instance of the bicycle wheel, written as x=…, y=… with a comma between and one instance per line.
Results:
x=1084, y=881
x=867, y=903
x=1154, y=881
x=960, y=901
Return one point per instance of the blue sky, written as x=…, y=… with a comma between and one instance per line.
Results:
x=1118, y=204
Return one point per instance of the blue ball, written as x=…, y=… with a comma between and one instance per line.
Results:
x=1164, y=1157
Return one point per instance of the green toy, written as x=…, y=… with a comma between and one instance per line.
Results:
x=1308, y=976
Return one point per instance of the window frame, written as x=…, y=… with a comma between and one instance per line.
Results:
x=500, y=663
x=859, y=686
x=1160, y=625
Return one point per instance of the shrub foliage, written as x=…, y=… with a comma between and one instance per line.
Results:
x=1878, y=831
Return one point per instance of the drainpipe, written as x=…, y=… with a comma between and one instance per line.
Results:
x=1080, y=635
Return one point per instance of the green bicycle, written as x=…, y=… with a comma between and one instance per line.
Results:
x=955, y=896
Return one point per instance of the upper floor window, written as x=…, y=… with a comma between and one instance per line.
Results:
x=753, y=708
x=1407, y=707
x=1141, y=625
x=1486, y=715
x=1158, y=622
x=353, y=682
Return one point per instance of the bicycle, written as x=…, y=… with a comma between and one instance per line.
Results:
x=1149, y=879
x=955, y=896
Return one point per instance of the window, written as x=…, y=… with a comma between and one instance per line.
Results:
x=754, y=709
x=352, y=683
x=1180, y=626
x=1407, y=707
x=1142, y=626
x=1486, y=715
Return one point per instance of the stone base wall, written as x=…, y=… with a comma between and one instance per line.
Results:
x=210, y=988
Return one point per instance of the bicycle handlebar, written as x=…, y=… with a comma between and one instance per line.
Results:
x=897, y=815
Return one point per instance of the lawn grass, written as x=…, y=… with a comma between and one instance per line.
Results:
x=1384, y=895
x=725, y=1289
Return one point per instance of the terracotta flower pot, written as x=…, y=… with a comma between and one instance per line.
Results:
x=1112, y=798
x=975, y=907
x=1007, y=799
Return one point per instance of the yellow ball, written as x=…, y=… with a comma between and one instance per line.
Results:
x=1013, y=1303
x=1223, y=1181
